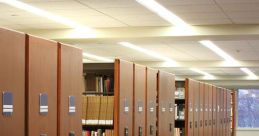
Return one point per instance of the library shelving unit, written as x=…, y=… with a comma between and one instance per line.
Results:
x=41, y=86
x=207, y=109
x=179, y=108
x=166, y=102
x=108, y=99
x=140, y=100
x=233, y=112
x=98, y=98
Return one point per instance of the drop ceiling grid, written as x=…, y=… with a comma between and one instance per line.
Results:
x=241, y=11
x=181, y=71
x=240, y=50
x=118, y=51
x=200, y=53
x=255, y=45
x=185, y=2
x=167, y=51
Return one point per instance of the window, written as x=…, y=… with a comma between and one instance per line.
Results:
x=248, y=108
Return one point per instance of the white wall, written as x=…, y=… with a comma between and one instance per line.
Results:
x=247, y=132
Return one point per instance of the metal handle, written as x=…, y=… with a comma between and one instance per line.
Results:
x=201, y=124
x=206, y=123
x=170, y=127
x=71, y=133
x=126, y=132
x=151, y=130
x=196, y=124
x=139, y=131
x=190, y=124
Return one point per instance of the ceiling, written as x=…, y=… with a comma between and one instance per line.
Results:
x=124, y=16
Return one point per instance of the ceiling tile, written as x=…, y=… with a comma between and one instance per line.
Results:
x=240, y=7
x=110, y=3
x=233, y=71
x=68, y=5
x=194, y=49
x=240, y=50
x=185, y=2
x=237, y=1
x=194, y=8
x=243, y=14
x=203, y=15
x=218, y=21
x=245, y=20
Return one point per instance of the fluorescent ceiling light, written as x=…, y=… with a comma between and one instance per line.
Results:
x=157, y=8
x=46, y=14
x=147, y=52
x=250, y=74
x=206, y=75
x=219, y=51
x=98, y=58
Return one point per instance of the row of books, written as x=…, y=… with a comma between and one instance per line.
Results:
x=179, y=132
x=99, y=132
x=179, y=111
x=99, y=83
x=98, y=110
x=179, y=93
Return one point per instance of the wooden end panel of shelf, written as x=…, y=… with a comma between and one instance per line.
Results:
x=222, y=112
x=70, y=85
x=166, y=117
x=12, y=79
x=189, y=100
x=229, y=112
x=206, y=110
x=201, y=108
x=219, y=99
x=139, y=100
x=225, y=113
x=210, y=110
x=171, y=99
x=151, y=94
x=123, y=94
x=214, y=109
x=42, y=79
x=196, y=108
x=234, y=108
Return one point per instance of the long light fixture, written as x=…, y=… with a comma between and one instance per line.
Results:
x=46, y=14
x=98, y=58
x=205, y=74
x=148, y=52
x=219, y=51
x=250, y=74
x=157, y=8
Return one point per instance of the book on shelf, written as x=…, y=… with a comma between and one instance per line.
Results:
x=99, y=132
x=179, y=111
x=99, y=83
x=84, y=109
x=179, y=132
x=180, y=93
x=103, y=110
x=93, y=109
x=98, y=110
x=110, y=110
